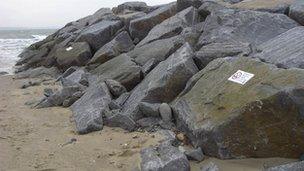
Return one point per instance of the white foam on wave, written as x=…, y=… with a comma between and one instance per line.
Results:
x=11, y=48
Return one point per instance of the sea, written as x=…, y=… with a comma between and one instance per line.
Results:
x=13, y=41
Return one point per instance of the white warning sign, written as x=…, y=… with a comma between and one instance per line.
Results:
x=69, y=48
x=241, y=77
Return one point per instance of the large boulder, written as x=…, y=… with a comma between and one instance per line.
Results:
x=295, y=166
x=243, y=26
x=38, y=73
x=158, y=50
x=122, y=43
x=89, y=109
x=140, y=27
x=121, y=69
x=163, y=158
x=76, y=55
x=163, y=83
x=128, y=7
x=100, y=33
x=296, y=11
x=285, y=50
x=172, y=26
x=262, y=118
x=183, y=4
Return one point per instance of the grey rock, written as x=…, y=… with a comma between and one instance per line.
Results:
x=78, y=55
x=3, y=73
x=165, y=112
x=68, y=102
x=80, y=77
x=149, y=109
x=210, y=167
x=209, y=110
x=183, y=4
x=149, y=123
x=121, y=69
x=172, y=26
x=163, y=83
x=57, y=98
x=116, y=89
x=89, y=109
x=243, y=26
x=148, y=66
x=122, y=43
x=114, y=118
x=209, y=7
x=38, y=73
x=159, y=50
x=195, y=154
x=119, y=102
x=233, y=1
x=48, y=92
x=32, y=58
x=140, y=27
x=131, y=6
x=69, y=71
x=169, y=138
x=30, y=83
x=285, y=50
x=163, y=158
x=296, y=166
x=220, y=50
x=97, y=35
x=296, y=11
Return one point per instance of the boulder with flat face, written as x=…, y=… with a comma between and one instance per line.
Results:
x=172, y=26
x=121, y=69
x=163, y=83
x=140, y=27
x=122, y=43
x=262, y=118
x=76, y=55
x=130, y=7
x=243, y=26
x=296, y=11
x=100, y=33
x=89, y=109
x=285, y=50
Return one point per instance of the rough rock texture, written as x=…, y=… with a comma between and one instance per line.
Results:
x=285, y=50
x=89, y=109
x=128, y=7
x=296, y=11
x=183, y=4
x=122, y=43
x=163, y=158
x=80, y=77
x=121, y=69
x=165, y=112
x=116, y=89
x=149, y=109
x=243, y=26
x=77, y=54
x=297, y=166
x=140, y=27
x=172, y=26
x=163, y=83
x=100, y=33
x=38, y=72
x=263, y=118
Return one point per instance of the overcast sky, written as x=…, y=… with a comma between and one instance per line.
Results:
x=53, y=13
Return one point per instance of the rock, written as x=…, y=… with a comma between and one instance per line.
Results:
x=122, y=43
x=181, y=137
x=57, y=98
x=38, y=72
x=131, y=6
x=210, y=167
x=115, y=119
x=69, y=71
x=183, y=4
x=68, y=102
x=220, y=50
x=80, y=77
x=209, y=7
x=296, y=166
x=140, y=27
x=172, y=26
x=149, y=109
x=31, y=57
x=165, y=112
x=118, y=103
x=243, y=26
x=149, y=123
x=230, y=126
x=163, y=158
x=159, y=50
x=127, y=18
x=195, y=154
x=3, y=73
x=30, y=83
x=77, y=54
x=97, y=35
x=121, y=69
x=285, y=50
x=148, y=66
x=163, y=83
x=116, y=89
x=233, y=1
x=48, y=92
x=169, y=138
x=272, y=6
x=296, y=11
x=89, y=109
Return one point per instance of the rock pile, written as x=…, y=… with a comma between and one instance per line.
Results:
x=230, y=79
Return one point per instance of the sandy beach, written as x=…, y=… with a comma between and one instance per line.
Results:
x=40, y=139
